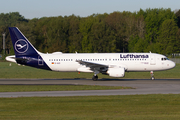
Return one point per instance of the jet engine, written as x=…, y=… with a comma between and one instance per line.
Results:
x=116, y=72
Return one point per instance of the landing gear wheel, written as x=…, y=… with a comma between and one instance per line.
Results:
x=95, y=78
x=152, y=78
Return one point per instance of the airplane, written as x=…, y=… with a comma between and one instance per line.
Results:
x=112, y=64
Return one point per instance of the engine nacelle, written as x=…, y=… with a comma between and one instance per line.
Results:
x=116, y=72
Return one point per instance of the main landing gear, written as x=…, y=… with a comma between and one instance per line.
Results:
x=95, y=78
x=152, y=75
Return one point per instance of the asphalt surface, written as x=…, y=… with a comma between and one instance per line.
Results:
x=142, y=86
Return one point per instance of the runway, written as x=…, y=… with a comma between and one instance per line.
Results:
x=142, y=86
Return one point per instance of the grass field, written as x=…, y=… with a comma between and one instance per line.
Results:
x=132, y=107
x=16, y=71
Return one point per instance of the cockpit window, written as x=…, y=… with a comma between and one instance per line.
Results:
x=164, y=59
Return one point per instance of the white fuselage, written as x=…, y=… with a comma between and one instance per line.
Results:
x=129, y=61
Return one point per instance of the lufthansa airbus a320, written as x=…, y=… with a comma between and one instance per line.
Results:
x=112, y=64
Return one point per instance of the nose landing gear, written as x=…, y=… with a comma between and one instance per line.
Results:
x=152, y=75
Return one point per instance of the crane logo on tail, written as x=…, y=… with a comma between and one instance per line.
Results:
x=21, y=46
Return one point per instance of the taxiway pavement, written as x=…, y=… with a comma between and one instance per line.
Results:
x=142, y=86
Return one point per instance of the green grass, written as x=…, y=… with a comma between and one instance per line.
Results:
x=16, y=71
x=136, y=107
x=28, y=88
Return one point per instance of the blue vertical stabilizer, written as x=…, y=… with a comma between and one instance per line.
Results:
x=21, y=44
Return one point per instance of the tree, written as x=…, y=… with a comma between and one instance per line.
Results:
x=141, y=31
x=153, y=20
x=177, y=45
x=85, y=29
x=178, y=17
x=167, y=38
x=116, y=22
x=75, y=37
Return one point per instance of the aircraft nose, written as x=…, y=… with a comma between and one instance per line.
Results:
x=172, y=64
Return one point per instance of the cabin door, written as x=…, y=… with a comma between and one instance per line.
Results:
x=153, y=60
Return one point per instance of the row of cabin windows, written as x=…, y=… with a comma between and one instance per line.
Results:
x=60, y=59
x=96, y=59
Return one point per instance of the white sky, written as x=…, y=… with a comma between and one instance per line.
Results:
x=46, y=8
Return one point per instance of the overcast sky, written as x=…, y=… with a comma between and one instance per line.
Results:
x=46, y=8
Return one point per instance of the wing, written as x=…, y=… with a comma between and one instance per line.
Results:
x=94, y=66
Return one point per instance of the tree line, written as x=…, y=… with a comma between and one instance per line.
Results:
x=155, y=30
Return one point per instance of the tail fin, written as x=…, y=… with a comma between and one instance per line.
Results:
x=20, y=43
